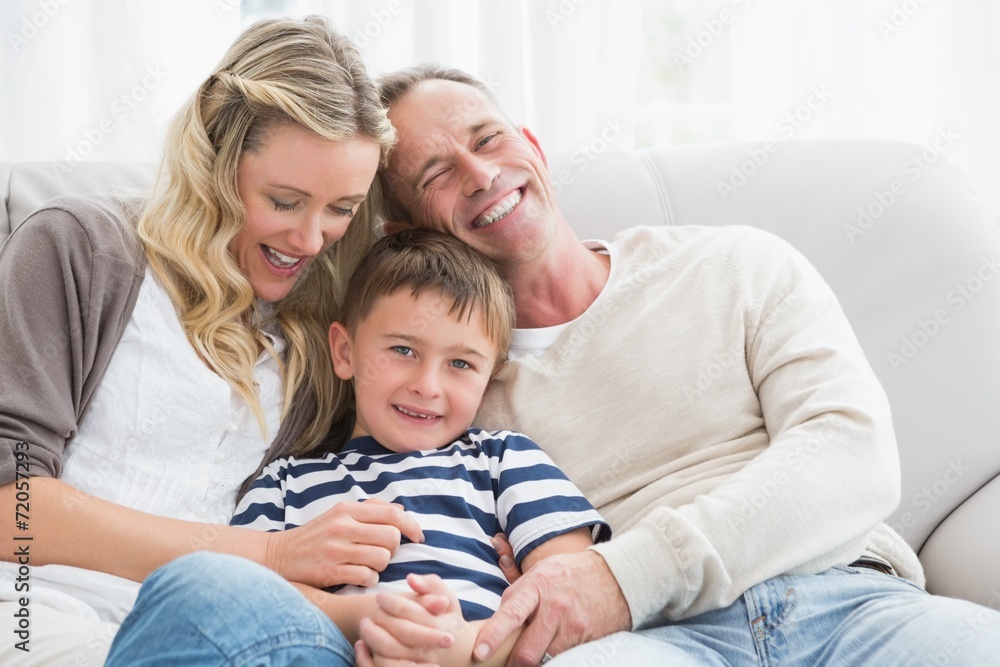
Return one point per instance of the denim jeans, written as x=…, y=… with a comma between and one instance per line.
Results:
x=212, y=609
x=846, y=616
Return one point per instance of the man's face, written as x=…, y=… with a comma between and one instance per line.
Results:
x=461, y=168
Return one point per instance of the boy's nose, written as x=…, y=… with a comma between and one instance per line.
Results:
x=426, y=382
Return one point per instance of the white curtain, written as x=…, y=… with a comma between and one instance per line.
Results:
x=912, y=70
x=565, y=68
x=98, y=79
x=102, y=76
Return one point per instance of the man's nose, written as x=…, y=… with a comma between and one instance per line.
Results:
x=479, y=173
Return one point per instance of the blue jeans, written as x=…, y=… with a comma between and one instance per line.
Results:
x=212, y=609
x=844, y=616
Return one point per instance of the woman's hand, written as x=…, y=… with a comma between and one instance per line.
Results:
x=348, y=544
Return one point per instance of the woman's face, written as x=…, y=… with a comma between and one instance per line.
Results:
x=300, y=192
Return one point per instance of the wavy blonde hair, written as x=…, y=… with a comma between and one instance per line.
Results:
x=296, y=71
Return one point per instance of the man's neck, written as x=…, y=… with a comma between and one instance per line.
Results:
x=559, y=287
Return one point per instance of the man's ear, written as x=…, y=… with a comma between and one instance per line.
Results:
x=340, y=351
x=533, y=140
x=390, y=227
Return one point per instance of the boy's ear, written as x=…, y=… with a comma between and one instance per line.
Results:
x=340, y=351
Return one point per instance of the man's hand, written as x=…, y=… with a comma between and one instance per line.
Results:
x=568, y=598
x=348, y=544
x=505, y=558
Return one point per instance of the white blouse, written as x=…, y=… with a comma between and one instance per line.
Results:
x=163, y=434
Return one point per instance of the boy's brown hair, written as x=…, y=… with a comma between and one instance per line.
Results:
x=423, y=260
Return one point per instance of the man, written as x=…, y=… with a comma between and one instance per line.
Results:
x=748, y=511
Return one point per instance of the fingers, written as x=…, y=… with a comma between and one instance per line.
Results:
x=352, y=575
x=360, y=531
x=433, y=594
x=383, y=644
x=412, y=610
x=364, y=658
x=516, y=607
x=537, y=639
x=506, y=557
x=390, y=514
x=427, y=584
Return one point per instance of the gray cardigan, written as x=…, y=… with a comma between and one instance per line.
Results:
x=69, y=280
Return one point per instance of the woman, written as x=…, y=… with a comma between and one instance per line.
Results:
x=150, y=368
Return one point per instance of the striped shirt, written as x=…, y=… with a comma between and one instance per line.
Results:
x=461, y=495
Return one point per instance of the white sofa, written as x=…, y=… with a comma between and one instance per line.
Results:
x=895, y=230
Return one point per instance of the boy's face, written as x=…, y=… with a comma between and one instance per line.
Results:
x=419, y=373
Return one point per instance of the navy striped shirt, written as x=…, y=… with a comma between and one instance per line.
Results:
x=461, y=495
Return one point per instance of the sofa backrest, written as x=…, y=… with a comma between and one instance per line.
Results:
x=24, y=186
x=893, y=227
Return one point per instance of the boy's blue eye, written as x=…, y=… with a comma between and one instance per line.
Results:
x=402, y=349
x=458, y=363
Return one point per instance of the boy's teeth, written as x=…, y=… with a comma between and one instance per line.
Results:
x=413, y=414
x=500, y=210
x=279, y=259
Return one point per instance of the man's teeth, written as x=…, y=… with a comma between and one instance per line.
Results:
x=500, y=210
x=280, y=260
x=414, y=414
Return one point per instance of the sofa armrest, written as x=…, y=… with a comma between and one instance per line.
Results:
x=960, y=556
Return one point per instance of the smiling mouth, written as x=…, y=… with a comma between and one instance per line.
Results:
x=418, y=415
x=500, y=210
x=280, y=260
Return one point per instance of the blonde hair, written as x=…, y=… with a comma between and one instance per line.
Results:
x=300, y=72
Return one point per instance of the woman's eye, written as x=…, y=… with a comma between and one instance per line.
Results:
x=284, y=206
x=346, y=212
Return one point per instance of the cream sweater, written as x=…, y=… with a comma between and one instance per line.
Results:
x=715, y=406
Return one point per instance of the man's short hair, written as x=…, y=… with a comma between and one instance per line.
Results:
x=423, y=260
x=394, y=85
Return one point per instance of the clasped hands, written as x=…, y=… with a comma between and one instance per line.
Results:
x=546, y=610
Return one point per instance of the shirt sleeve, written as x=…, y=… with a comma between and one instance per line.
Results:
x=810, y=499
x=62, y=304
x=535, y=499
x=263, y=506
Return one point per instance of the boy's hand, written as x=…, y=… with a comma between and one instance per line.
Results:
x=420, y=628
x=348, y=544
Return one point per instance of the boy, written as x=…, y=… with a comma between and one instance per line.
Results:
x=426, y=324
